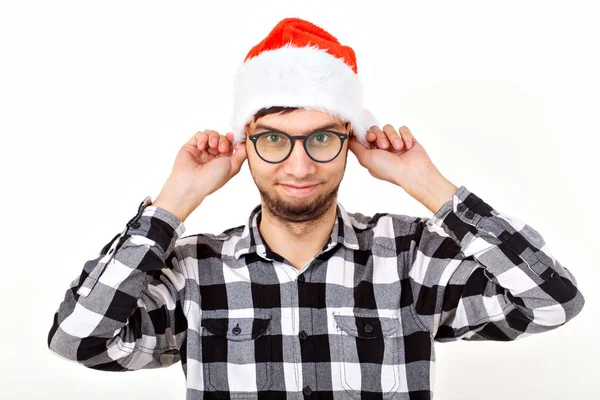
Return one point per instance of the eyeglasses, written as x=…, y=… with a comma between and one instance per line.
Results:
x=321, y=146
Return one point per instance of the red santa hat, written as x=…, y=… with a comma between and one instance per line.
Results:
x=301, y=65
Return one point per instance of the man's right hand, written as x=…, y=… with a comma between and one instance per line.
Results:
x=202, y=166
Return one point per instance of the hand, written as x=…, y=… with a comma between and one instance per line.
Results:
x=202, y=166
x=406, y=165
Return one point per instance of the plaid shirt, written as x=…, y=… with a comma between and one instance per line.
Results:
x=358, y=321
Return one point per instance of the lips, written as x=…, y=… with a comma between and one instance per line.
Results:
x=299, y=190
x=299, y=187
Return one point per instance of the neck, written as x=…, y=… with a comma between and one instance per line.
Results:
x=297, y=242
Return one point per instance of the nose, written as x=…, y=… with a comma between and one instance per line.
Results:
x=299, y=164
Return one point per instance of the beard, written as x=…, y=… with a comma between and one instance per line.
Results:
x=304, y=211
x=298, y=212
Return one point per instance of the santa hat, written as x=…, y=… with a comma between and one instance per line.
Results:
x=300, y=65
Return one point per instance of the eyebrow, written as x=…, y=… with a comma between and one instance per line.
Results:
x=328, y=125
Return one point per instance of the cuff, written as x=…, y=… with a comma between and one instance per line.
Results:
x=157, y=224
x=152, y=226
x=467, y=217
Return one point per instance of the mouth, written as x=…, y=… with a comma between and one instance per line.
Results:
x=299, y=190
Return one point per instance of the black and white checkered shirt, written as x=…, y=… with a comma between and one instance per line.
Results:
x=358, y=321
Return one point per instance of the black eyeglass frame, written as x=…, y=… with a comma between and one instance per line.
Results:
x=304, y=138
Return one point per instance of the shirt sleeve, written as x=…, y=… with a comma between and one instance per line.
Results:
x=478, y=274
x=124, y=311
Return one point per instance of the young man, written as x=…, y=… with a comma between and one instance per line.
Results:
x=306, y=299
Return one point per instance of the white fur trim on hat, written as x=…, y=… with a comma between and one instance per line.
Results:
x=306, y=77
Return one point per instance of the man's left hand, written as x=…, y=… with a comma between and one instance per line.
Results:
x=406, y=165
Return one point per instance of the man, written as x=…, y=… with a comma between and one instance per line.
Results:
x=306, y=299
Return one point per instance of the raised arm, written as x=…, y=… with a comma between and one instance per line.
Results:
x=125, y=310
x=479, y=274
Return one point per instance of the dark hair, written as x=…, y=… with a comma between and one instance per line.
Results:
x=278, y=110
x=273, y=110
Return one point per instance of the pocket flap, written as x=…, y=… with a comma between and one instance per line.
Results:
x=367, y=327
x=237, y=329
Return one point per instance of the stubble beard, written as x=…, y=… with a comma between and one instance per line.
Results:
x=305, y=211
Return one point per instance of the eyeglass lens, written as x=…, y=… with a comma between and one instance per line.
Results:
x=321, y=146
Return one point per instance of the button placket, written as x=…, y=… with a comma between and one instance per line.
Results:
x=134, y=222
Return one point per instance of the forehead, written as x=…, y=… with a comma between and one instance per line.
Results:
x=298, y=122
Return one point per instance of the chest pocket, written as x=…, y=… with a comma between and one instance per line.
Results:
x=368, y=352
x=236, y=355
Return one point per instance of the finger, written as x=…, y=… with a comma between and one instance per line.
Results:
x=230, y=138
x=212, y=142
x=370, y=135
x=359, y=150
x=194, y=139
x=393, y=136
x=239, y=156
x=213, y=152
x=205, y=157
x=407, y=136
x=238, y=145
x=223, y=144
x=202, y=139
x=213, y=139
x=382, y=141
x=212, y=145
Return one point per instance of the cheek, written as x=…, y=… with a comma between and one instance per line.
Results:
x=264, y=171
x=333, y=175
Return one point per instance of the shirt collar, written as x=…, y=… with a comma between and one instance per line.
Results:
x=251, y=240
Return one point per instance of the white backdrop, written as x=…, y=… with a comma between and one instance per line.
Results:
x=96, y=98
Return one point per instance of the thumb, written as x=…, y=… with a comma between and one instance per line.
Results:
x=238, y=156
x=359, y=150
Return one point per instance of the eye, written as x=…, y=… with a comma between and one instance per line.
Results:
x=273, y=137
x=321, y=137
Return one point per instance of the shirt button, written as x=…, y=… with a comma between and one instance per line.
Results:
x=303, y=335
x=237, y=330
x=505, y=236
x=469, y=214
x=301, y=278
x=368, y=328
x=307, y=390
x=135, y=225
x=462, y=207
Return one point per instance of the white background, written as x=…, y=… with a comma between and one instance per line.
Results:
x=96, y=98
